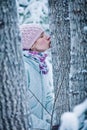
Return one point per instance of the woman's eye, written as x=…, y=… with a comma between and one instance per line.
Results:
x=41, y=36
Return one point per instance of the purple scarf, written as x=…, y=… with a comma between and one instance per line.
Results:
x=39, y=58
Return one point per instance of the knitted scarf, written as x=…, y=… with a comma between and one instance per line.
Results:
x=39, y=57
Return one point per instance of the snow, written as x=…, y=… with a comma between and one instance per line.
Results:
x=85, y=28
x=76, y=119
x=34, y=11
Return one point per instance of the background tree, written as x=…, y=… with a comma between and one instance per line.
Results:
x=69, y=55
x=14, y=111
x=78, y=63
x=60, y=31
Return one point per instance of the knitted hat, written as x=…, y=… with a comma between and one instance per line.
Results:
x=29, y=33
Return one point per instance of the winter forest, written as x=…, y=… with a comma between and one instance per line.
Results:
x=66, y=22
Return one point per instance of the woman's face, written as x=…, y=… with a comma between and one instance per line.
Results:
x=42, y=43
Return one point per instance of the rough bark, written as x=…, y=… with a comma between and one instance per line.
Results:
x=78, y=63
x=60, y=34
x=14, y=112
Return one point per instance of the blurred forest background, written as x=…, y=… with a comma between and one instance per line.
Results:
x=34, y=11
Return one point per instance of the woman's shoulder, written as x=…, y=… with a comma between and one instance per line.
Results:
x=28, y=59
x=31, y=65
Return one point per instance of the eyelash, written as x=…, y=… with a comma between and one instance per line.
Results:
x=41, y=36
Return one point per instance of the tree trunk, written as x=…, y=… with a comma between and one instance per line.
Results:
x=59, y=27
x=14, y=112
x=78, y=64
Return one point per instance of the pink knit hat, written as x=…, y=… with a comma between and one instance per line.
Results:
x=30, y=33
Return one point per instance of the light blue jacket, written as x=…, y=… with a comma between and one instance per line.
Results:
x=40, y=95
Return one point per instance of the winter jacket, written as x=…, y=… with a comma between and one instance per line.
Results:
x=40, y=94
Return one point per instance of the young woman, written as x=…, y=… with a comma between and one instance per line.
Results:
x=35, y=42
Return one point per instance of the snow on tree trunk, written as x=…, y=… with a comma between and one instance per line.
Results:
x=78, y=63
x=59, y=26
x=14, y=112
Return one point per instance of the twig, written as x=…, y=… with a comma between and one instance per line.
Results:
x=56, y=100
x=39, y=102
